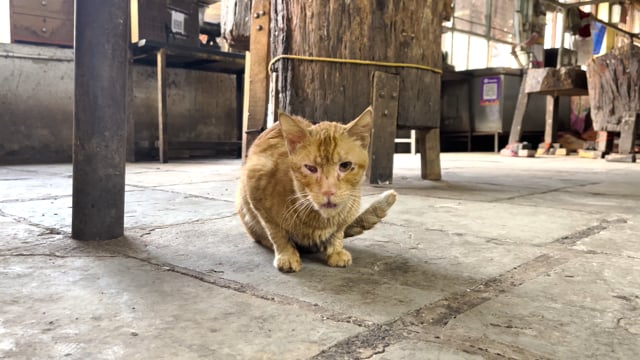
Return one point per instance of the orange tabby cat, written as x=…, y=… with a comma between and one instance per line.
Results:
x=300, y=188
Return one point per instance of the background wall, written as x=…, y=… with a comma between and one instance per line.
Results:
x=5, y=25
x=36, y=105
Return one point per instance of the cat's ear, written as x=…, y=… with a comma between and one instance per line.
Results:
x=360, y=128
x=293, y=130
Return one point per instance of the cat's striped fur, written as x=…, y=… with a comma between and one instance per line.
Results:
x=300, y=189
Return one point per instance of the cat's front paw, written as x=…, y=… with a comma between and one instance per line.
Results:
x=288, y=262
x=340, y=258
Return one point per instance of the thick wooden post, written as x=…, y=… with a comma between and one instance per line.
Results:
x=331, y=49
x=393, y=31
x=385, y=120
x=100, y=119
x=256, y=70
x=614, y=87
x=429, y=142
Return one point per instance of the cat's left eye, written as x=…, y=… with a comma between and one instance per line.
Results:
x=311, y=168
x=345, y=166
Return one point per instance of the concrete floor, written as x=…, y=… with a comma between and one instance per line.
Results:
x=524, y=258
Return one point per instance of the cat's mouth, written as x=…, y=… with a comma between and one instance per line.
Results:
x=328, y=205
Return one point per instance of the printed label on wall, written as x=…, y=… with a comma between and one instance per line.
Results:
x=177, y=22
x=490, y=94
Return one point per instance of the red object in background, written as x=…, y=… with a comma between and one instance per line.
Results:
x=585, y=24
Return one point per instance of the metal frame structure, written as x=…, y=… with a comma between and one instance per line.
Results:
x=486, y=33
x=564, y=7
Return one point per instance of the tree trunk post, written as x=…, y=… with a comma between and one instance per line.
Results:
x=380, y=36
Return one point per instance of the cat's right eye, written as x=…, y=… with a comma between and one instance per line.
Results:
x=345, y=166
x=311, y=168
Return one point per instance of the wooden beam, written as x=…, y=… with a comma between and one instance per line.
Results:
x=245, y=108
x=551, y=121
x=429, y=143
x=240, y=83
x=518, y=115
x=628, y=130
x=257, y=72
x=163, y=141
x=385, y=95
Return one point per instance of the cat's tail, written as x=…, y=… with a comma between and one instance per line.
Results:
x=372, y=215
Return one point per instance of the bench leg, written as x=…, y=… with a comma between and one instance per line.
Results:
x=429, y=144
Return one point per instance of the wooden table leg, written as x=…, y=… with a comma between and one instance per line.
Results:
x=429, y=143
x=163, y=142
x=518, y=115
x=628, y=130
x=551, y=122
x=626, y=144
x=385, y=94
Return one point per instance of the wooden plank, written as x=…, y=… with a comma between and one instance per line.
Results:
x=566, y=81
x=257, y=72
x=628, y=130
x=245, y=108
x=385, y=121
x=518, y=115
x=551, y=120
x=429, y=143
x=590, y=154
x=626, y=158
x=272, y=110
x=163, y=145
x=240, y=82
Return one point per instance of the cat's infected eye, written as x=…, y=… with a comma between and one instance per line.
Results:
x=311, y=168
x=345, y=166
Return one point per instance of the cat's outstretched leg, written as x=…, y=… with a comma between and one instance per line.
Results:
x=372, y=215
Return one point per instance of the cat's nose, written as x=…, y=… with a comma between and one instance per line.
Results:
x=328, y=193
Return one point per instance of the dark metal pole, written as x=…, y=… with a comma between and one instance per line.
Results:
x=100, y=119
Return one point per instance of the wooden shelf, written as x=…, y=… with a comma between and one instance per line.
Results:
x=187, y=57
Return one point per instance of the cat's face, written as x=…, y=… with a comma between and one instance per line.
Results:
x=328, y=160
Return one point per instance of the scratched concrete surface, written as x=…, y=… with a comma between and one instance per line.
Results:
x=521, y=258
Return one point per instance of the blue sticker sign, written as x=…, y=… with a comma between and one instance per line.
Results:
x=490, y=92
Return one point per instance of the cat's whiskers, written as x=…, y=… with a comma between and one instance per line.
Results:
x=300, y=207
x=353, y=201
